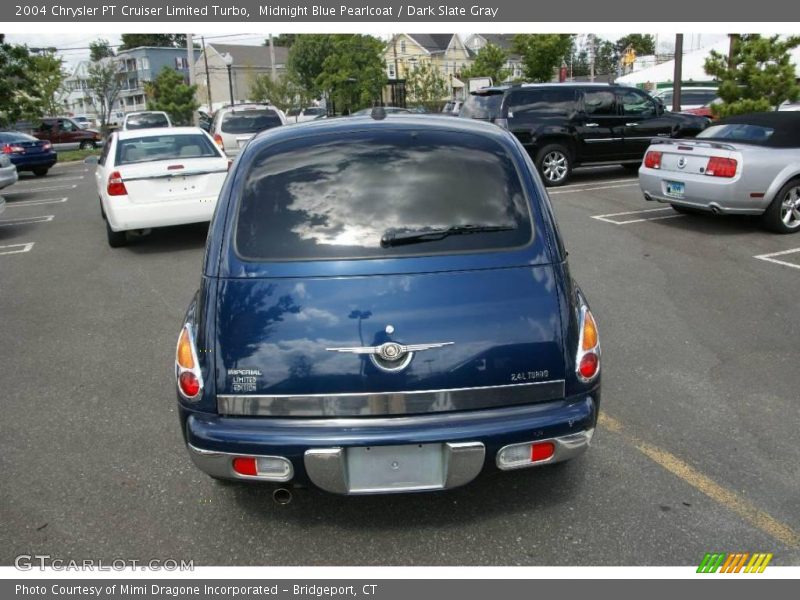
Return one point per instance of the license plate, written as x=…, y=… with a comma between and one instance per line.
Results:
x=676, y=189
x=407, y=467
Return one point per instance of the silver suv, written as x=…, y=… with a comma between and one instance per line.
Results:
x=233, y=126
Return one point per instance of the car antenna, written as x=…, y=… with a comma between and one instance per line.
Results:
x=378, y=113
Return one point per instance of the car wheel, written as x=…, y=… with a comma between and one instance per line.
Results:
x=40, y=171
x=116, y=239
x=783, y=215
x=86, y=144
x=685, y=210
x=554, y=164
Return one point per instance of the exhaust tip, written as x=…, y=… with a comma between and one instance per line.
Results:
x=715, y=209
x=282, y=496
x=648, y=197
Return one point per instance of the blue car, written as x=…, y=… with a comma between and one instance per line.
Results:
x=385, y=306
x=28, y=153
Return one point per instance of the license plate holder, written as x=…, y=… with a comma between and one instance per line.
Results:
x=674, y=189
x=395, y=468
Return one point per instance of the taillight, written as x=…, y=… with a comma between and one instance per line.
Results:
x=652, y=160
x=47, y=146
x=187, y=369
x=9, y=149
x=218, y=140
x=116, y=186
x=587, y=361
x=721, y=167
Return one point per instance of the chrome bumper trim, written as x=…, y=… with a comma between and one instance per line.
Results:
x=389, y=403
x=220, y=465
x=327, y=469
x=566, y=447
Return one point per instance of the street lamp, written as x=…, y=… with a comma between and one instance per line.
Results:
x=228, y=59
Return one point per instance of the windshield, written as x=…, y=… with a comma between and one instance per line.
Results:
x=249, y=121
x=164, y=147
x=325, y=197
x=738, y=132
x=146, y=120
x=482, y=106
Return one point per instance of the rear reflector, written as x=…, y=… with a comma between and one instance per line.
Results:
x=542, y=451
x=721, y=167
x=756, y=194
x=652, y=160
x=527, y=454
x=271, y=468
x=245, y=465
x=116, y=187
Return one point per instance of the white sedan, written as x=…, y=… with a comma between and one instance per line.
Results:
x=158, y=177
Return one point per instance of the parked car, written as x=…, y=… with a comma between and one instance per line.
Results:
x=747, y=164
x=158, y=177
x=386, y=109
x=691, y=97
x=8, y=171
x=233, y=126
x=789, y=106
x=301, y=115
x=63, y=130
x=28, y=153
x=453, y=107
x=385, y=307
x=146, y=119
x=84, y=121
x=563, y=126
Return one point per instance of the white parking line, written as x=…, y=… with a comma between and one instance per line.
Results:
x=55, y=179
x=770, y=258
x=26, y=220
x=21, y=248
x=575, y=185
x=35, y=202
x=44, y=189
x=635, y=212
x=589, y=189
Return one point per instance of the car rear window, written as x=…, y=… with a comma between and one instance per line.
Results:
x=7, y=137
x=335, y=197
x=145, y=121
x=249, y=121
x=482, y=106
x=164, y=147
x=703, y=97
x=738, y=132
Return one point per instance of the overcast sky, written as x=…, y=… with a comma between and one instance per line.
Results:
x=73, y=46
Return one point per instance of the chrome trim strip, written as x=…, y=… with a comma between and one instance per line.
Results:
x=376, y=404
x=596, y=140
x=175, y=174
x=566, y=447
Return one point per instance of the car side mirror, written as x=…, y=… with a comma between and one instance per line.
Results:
x=660, y=108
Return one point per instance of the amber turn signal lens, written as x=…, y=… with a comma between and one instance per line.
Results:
x=589, y=332
x=185, y=358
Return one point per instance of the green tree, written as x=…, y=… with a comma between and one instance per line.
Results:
x=606, y=59
x=104, y=83
x=282, y=92
x=759, y=77
x=170, y=93
x=353, y=74
x=100, y=49
x=306, y=58
x=164, y=40
x=642, y=44
x=48, y=76
x=489, y=62
x=542, y=53
x=19, y=97
x=426, y=87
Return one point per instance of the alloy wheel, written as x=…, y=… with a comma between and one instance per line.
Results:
x=554, y=166
x=790, y=208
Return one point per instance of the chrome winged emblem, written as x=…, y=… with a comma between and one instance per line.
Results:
x=390, y=356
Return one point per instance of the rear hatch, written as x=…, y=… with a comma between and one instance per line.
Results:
x=32, y=147
x=418, y=236
x=691, y=156
x=240, y=124
x=485, y=105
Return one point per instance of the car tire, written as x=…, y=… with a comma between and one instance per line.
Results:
x=554, y=164
x=40, y=171
x=783, y=215
x=685, y=210
x=116, y=239
x=86, y=144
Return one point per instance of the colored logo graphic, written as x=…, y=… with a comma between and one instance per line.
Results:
x=734, y=562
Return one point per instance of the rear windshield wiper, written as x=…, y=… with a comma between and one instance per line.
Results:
x=392, y=237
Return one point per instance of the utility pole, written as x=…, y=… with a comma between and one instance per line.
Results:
x=678, y=74
x=190, y=62
x=272, y=58
x=208, y=77
x=734, y=37
x=592, y=52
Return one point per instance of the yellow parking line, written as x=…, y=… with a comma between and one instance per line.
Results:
x=727, y=498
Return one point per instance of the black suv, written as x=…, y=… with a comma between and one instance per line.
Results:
x=566, y=125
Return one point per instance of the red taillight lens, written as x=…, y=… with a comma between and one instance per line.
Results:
x=218, y=140
x=189, y=383
x=116, y=187
x=542, y=451
x=47, y=146
x=245, y=465
x=721, y=167
x=588, y=365
x=652, y=160
x=9, y=149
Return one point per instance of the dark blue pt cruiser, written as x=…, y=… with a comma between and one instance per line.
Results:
x=385, y=306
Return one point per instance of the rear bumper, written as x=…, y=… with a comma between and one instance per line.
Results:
x=124, y=215
x=471, y=440
x=8, y=176
x=714, y=194
x=31, y=162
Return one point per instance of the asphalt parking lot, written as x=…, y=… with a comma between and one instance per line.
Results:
x=696, y=449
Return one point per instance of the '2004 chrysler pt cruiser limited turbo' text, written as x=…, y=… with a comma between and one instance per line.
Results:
x=385, y=306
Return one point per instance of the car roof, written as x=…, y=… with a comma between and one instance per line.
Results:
x=785, y=123
x=567, y=84
x=157, y=131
